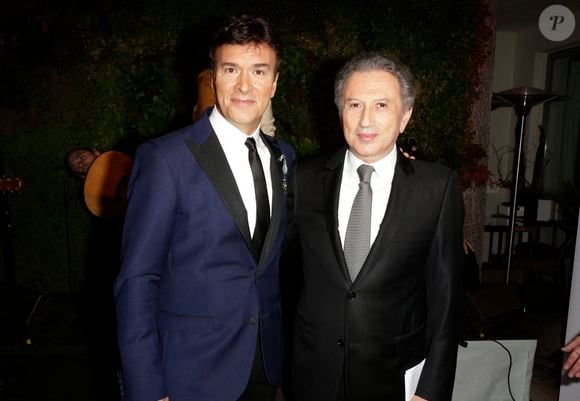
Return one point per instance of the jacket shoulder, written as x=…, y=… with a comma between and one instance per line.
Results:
x=281, y=144
x=426, y=170
x=320, y=161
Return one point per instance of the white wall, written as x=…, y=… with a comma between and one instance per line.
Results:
x=503, y=119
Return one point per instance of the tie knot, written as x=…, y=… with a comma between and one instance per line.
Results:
x=251, y=144
x=364, y=172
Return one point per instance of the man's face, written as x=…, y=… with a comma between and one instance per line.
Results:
x=372, y=114
x=80, y=160
x=244, y=81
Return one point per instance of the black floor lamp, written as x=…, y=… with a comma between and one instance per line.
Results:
x=522, y=100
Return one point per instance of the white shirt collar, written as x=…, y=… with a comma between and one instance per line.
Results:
x=226, y=130
x=233, y=143
x=384, y=169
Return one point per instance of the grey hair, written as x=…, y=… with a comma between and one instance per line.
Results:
x=376, y=62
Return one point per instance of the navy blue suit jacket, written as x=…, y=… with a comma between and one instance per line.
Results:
x=191, y=297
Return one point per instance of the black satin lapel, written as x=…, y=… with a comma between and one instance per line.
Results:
x=400, y=195
x=277, y=196
x=331, y=196
x=401, y=189
x=212, y=160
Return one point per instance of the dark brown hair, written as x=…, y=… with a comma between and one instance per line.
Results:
x=242, y=30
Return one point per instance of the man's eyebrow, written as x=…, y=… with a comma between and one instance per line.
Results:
x=228, y=64
x=382, y=99
x=232, y=64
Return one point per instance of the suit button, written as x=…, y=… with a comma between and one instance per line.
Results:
x=253, y=322
x=351, y=295
x=340, y=342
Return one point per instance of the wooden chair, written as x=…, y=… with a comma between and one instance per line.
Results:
x=530, y=258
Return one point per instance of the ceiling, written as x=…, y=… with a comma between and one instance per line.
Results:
x=518, y=15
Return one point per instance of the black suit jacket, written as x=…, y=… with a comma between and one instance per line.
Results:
x=403, y=306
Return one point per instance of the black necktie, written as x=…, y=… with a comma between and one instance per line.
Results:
x=262, y=204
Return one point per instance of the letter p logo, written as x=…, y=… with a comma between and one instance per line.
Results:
x=557, y=20
x=557, y=23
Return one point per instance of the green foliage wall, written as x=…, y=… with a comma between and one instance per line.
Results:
x=130, y=74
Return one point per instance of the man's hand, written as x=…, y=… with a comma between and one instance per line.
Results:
x=406, y=154
x=572, y=363
x=417, y=398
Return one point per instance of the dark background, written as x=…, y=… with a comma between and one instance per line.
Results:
x=100, y=74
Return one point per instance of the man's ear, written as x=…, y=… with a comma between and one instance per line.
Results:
x=212, y=82
x=274, y=85
x=405, y=120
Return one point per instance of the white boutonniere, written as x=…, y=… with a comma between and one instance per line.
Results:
x=282, y=161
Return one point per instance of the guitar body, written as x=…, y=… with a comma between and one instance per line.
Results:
x=7, y=186
x=11, y=185
x=105, y=188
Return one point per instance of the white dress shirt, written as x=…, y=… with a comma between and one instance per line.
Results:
x=232, y=141
x=381, y=182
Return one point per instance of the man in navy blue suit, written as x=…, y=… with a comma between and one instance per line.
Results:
x=198, y=294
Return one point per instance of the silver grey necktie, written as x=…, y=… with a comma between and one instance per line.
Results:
x=358, y=232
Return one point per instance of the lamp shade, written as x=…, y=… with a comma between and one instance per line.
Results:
x=524, y=98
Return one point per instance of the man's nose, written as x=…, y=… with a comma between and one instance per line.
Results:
x=366, y=118
x=243, y=82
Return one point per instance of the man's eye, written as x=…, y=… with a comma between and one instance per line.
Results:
x=229, y=70
x=381, y=105
x=354, y=105
x=260, y=72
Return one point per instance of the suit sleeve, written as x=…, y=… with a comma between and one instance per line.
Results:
x=290, y=243
x=444, y=297
x=290, y=268
x=146, y=236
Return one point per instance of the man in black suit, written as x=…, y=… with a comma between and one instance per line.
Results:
x=377, y=315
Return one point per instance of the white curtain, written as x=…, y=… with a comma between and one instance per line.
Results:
x=562, y=124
